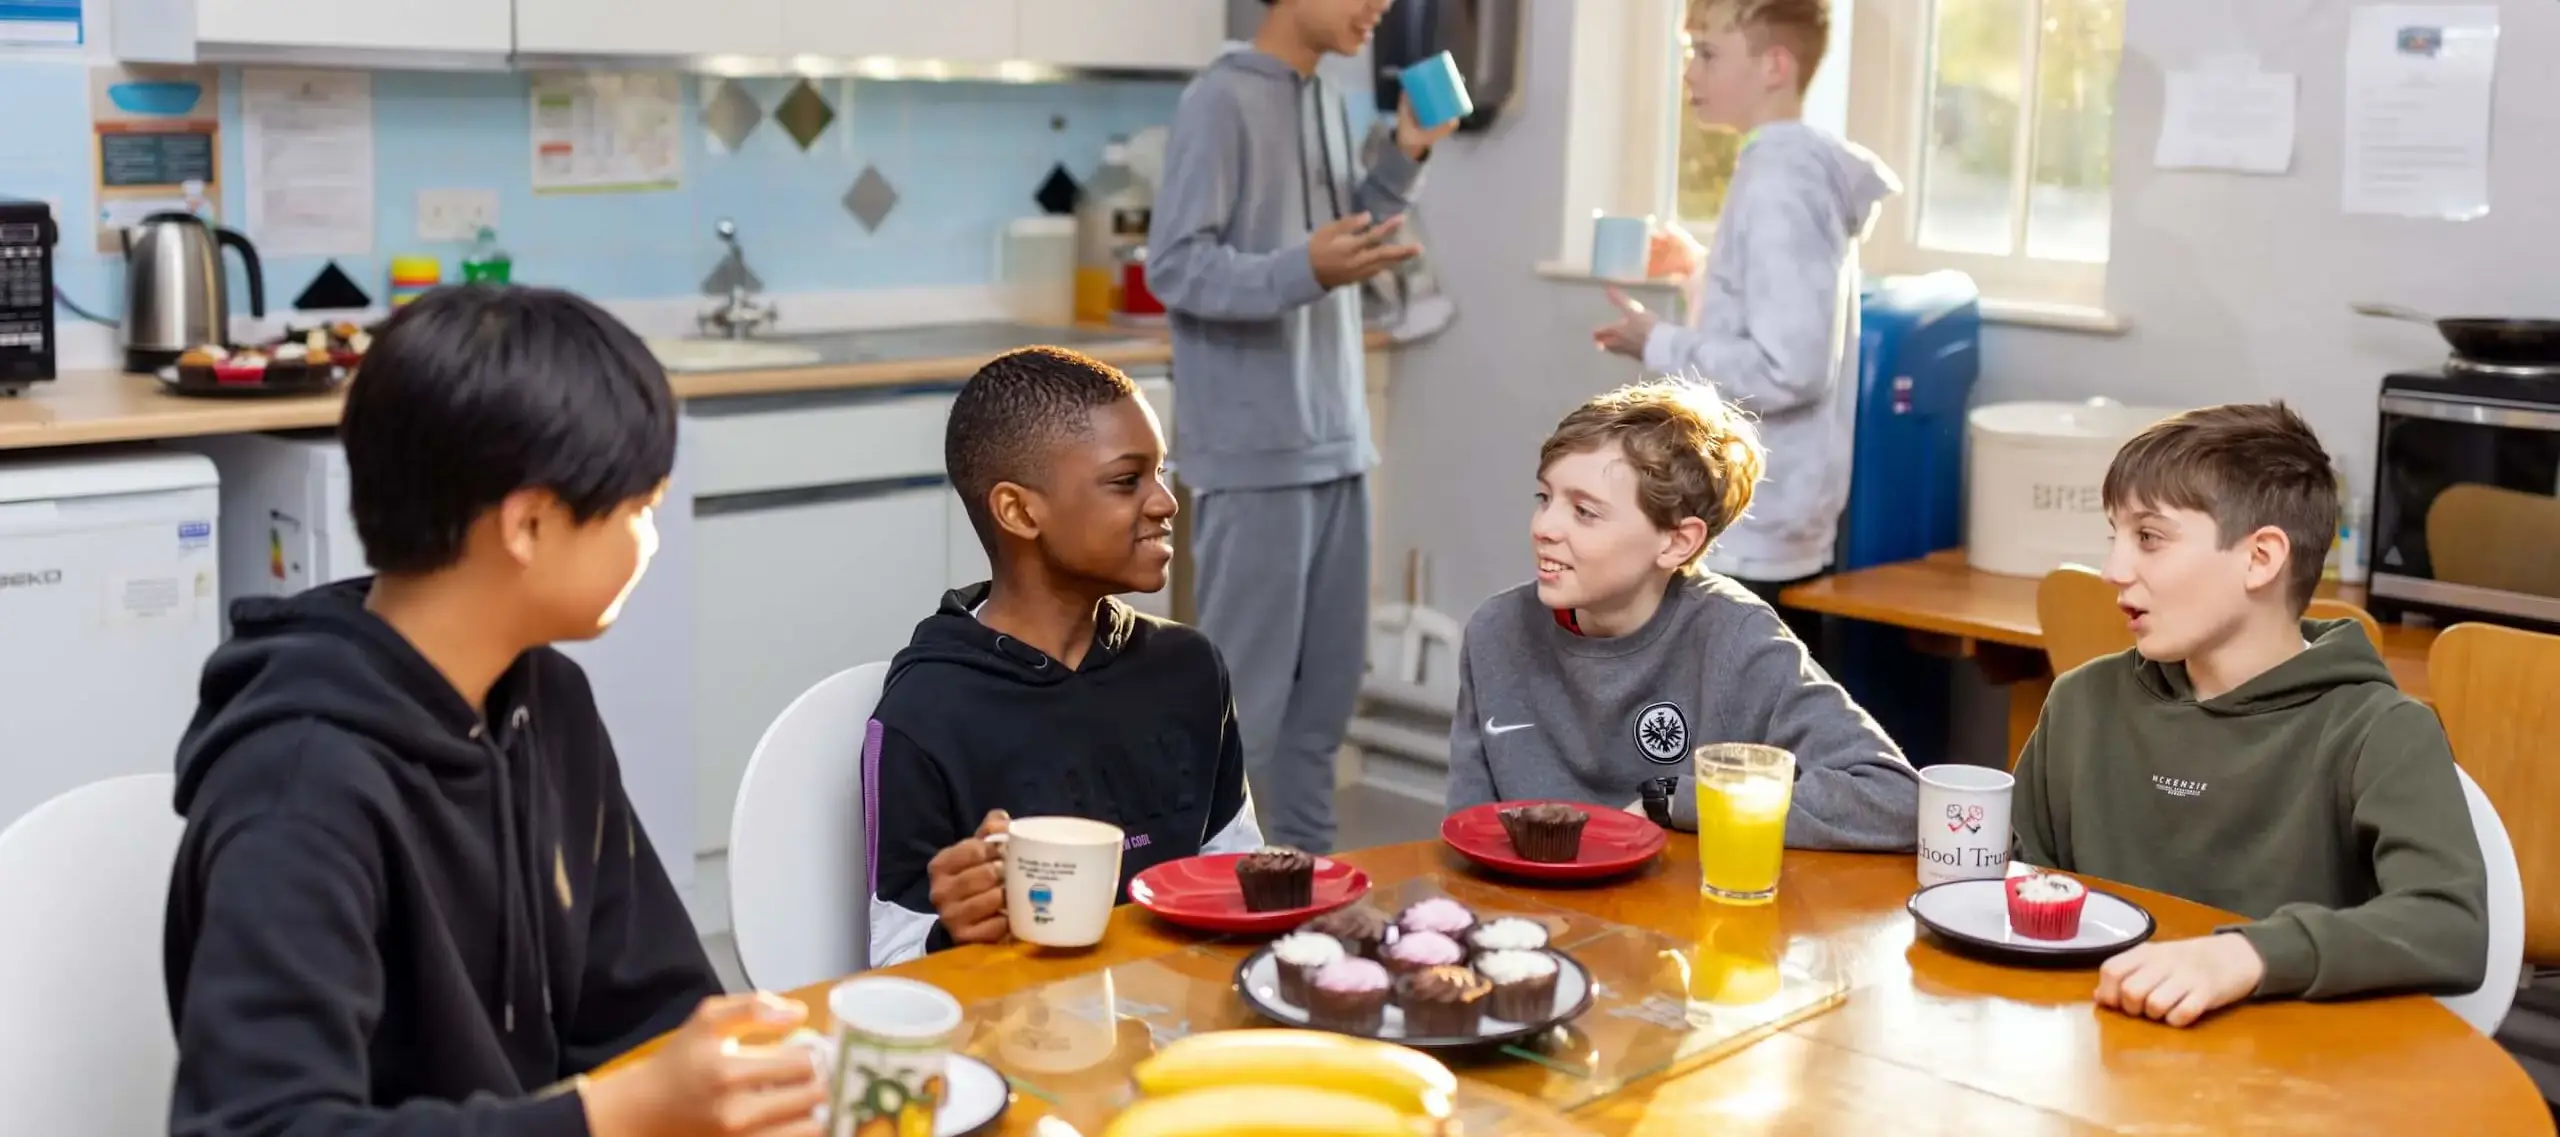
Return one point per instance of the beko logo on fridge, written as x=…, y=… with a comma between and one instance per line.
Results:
x=37, y=579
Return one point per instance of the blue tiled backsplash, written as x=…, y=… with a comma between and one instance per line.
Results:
x=964, y=159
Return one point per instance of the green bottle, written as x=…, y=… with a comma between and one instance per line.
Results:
x=486, y=263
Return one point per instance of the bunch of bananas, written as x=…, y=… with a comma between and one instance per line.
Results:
x=1288, y=1083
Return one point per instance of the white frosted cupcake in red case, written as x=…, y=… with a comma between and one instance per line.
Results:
x=2045, y=906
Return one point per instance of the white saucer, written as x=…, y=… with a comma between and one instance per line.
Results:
x=1974, y=915
x=975, y=1096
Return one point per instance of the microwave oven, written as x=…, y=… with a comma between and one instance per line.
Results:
x=27, y=236
x=2466, y=501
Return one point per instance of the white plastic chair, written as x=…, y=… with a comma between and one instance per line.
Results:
x=799, y=858
x=2486, y=1007
x=85, y=1040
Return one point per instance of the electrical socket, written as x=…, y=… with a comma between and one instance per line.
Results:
x=455, y=215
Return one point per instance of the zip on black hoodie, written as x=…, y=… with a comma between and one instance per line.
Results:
x=391, y=917
x=1142, y=736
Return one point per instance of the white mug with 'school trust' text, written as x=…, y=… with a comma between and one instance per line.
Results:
x=1964, y=823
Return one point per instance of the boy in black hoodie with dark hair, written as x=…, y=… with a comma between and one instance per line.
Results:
x=1037, y=693
x=412, y=897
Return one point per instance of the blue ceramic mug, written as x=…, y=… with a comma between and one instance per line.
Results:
x=1436, y=90
x=1621, y=246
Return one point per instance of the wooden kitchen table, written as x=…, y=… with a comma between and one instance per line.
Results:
x=1927, y=1041
x=1955, y=609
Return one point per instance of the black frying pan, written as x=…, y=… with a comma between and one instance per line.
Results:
x=2484, y=339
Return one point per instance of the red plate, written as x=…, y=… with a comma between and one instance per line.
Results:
x=1201, y=892
x=1613, y=841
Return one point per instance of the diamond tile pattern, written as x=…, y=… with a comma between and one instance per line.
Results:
x=730, y=115
x=871, y=199
x=1058, y=192
x=803, y=114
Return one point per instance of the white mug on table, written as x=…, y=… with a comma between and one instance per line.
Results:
x=1964, y=823
x=1061, y=879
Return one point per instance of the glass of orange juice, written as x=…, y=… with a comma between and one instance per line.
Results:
x=1743, y=792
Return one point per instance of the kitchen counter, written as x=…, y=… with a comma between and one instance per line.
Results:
x=89, y=407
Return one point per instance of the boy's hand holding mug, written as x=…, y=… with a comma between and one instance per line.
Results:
x=968, y=885
x=707, y=1081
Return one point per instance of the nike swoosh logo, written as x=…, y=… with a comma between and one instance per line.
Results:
x=1497, y=731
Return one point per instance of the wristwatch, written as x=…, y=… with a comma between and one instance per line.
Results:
x=1657, y=799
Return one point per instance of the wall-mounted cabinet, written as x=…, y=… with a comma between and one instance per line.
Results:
x=1145, y=35
x=648, y=27
x=318, y=31
x=963, y=31
x=1141, y=34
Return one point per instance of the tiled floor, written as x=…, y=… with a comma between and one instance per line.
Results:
x=1362, y=817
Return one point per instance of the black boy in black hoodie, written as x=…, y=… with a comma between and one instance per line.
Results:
x=412, y=897
x=1037, y=693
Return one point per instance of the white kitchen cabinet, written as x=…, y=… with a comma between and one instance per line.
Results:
x=1149, y=34
x=320, y=31
x=649, y=27
x=967, y=31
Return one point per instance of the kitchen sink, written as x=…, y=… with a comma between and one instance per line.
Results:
x=927, y=341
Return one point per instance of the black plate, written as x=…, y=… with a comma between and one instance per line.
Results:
x=1979, y=925
x=191, y=382
x=1269, y=1005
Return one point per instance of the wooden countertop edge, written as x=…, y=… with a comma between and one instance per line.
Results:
x=88, y=408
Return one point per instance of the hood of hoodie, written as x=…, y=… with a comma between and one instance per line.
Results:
x=1856, y=180
x=954, y=636
x=321, y=655
x=2339, y=656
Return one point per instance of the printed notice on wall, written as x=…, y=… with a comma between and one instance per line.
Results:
x=306, y=140
x=2417, y=125
x=158, y=144
x=607, y=132
x=2226, y=115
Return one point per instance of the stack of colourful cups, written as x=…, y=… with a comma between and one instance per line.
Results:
x=412, y=275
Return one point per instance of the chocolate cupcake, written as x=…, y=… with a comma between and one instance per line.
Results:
x=1276, y=878
x=1414, y=951
x=1438, y=914
x=1524, y=985
x=1509, y=933
x=1298, y=956
x=1442, y=1002
x=1363, y=930
x=1348, y=996
x=1547, y=833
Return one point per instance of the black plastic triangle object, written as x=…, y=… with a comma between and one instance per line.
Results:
x=331, y=291
x=1058, y=192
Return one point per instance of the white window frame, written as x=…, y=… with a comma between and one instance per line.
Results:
x=1888, y=113
x=1621, y=138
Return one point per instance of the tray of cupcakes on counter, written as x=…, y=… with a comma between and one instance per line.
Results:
x=303, y=361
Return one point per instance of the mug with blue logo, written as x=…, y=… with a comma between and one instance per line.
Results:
x=1621, y=246
x=1061, y=878
x=1437, y=92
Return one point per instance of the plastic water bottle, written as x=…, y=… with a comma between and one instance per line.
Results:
x=486, y=263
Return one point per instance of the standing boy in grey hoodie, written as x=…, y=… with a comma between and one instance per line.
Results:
x=1778, y=319
x=1264, y=227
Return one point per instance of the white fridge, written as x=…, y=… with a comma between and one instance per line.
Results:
x=287, y=526
x=108, y=597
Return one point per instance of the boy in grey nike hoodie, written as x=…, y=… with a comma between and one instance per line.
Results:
x=1777, y=323
x=1595, y=683
x=1265, y=225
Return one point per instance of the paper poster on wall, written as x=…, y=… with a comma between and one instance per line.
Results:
x=306, y=144
x=2417, y=125
x=2226, y=114
x=607, y=132
x=157, y=147
x=50, y=23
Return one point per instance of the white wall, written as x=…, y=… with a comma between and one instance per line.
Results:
x=2236, y=288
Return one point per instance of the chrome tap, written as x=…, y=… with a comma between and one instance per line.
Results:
x=741, y=314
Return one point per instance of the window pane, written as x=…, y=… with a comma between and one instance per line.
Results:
x=1706, y=167
x=2079, y=41
x=1978, y=54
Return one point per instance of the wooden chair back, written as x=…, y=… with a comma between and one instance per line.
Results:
x=2080, y=619
x=2495, y=690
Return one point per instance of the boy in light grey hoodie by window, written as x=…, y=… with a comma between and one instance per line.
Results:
x=1777, y=322
x=1596, y=682
x=1264, y=227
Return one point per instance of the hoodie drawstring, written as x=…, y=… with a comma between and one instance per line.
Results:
x=514, y=863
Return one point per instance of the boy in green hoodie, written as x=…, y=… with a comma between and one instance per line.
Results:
x=2243, y=757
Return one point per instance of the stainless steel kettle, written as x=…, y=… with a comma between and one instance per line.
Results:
x=175, y=298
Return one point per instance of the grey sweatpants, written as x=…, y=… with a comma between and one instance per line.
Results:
x=1284, y=594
